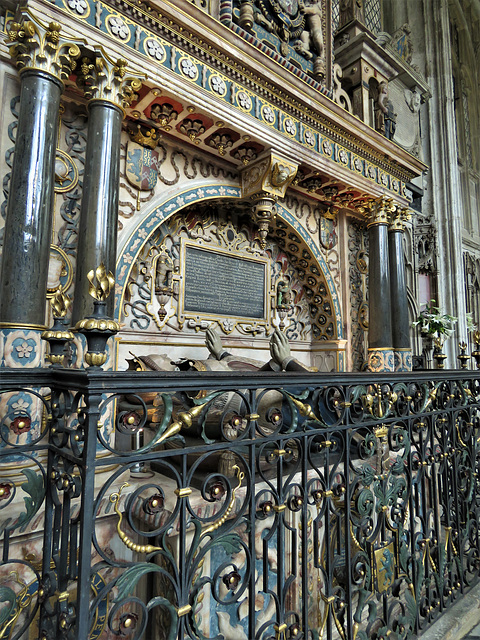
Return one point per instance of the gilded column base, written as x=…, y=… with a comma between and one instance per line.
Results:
x=381, y=360
x=403, y=359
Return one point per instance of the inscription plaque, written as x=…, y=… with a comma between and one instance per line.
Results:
x=220, y=284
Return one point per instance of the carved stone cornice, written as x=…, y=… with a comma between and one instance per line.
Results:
x=379, y=211
x=104, y=79
x=399, y=219
x=35, y=45
x=206, y=42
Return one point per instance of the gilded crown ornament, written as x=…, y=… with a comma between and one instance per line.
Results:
x=98, y=327
x=144, y=137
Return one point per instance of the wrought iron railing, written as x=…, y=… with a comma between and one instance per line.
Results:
x=252, y=506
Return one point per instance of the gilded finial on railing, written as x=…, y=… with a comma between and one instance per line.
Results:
x=58, y=336
x=463, y=355
x=98, y=327
x=60, y=303
x=105, y=282
x=438, y=354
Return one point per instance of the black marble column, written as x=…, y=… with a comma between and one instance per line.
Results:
x=97, y=234
x=398, y=293
x=380, y=352
x=28, y=224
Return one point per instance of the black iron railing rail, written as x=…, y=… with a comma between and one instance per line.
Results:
x=258, y=505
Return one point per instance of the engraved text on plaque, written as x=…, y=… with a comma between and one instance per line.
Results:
x=216, y=283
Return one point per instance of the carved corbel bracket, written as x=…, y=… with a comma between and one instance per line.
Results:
x=271, y=174
x=264, y=181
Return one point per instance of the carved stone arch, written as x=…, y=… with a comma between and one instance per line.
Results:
x=303, y=251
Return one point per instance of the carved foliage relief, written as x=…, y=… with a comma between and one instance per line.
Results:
x=358, y=275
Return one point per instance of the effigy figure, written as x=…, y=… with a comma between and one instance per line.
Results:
x=225, y=404
x=221, y=360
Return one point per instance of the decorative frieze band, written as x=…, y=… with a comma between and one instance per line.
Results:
x=300, y=125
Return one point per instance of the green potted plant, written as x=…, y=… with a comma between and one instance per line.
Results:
x=435, y=324
x=435, y=327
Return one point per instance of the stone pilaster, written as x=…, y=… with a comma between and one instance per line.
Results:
x=380, y=348
x=109, y=89
x=398, y=291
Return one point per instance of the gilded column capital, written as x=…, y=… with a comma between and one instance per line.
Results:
x=104, y=79
x=379, y=211
x=399, y=219
x=35, y=45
